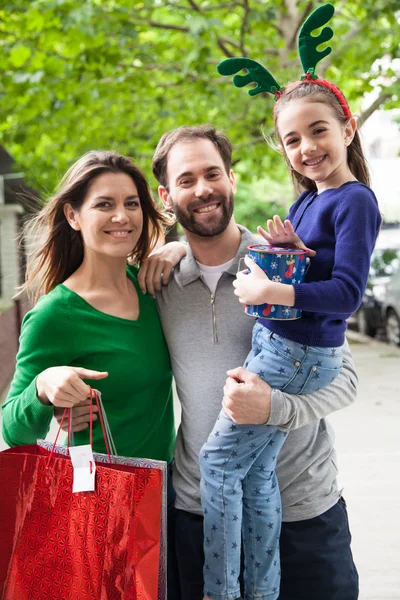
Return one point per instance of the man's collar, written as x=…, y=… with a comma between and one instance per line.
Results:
x=189, y=269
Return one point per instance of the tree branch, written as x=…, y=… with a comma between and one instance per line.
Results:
x=243, y=27
x=302, y=17
x=203, y=8
x=231, y=42
x=251, y=142
x=194, y=5
x=163, y=26
x=271, y=52
x=382, y=98
x=224, y=49
x=222, y=41
x=231, y=5
x=178, y=6
x=287, y=19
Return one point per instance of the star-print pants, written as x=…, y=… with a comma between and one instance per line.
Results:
x=239, y=490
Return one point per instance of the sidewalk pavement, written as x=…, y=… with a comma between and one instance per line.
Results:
x=368, y=449
x=369, y=466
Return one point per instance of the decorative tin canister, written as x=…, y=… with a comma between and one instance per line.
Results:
x=285, y=265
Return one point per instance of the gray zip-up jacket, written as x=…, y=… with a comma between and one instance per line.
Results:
x=207, y=334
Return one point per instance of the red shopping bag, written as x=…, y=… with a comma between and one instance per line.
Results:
x=101, y=545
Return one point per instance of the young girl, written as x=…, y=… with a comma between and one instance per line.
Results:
x=338, y=217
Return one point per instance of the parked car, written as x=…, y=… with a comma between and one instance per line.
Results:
x=385, y=261
x=369, y=316
x=391, y=310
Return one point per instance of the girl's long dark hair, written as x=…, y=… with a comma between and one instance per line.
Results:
x=57, y=248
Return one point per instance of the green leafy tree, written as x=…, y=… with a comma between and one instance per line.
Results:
x=77, y=75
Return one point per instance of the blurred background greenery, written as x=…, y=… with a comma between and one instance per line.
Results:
x=82, y=74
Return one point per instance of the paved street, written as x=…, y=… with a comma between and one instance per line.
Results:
x=368, y=447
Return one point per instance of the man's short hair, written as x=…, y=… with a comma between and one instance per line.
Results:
x=186, y=134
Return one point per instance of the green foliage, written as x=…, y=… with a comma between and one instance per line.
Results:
x=384, y=262
x=77, y=75
x=259, y=200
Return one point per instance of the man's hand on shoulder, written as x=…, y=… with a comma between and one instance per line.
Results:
x=247, y=398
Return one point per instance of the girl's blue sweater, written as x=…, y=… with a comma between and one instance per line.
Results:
x=341, y=225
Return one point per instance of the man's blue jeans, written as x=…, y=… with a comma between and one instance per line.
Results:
x=239, y=491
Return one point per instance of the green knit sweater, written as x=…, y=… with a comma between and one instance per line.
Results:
x=63, y=329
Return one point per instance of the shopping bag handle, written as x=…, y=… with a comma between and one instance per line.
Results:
x=103, y=421
x=95, y=394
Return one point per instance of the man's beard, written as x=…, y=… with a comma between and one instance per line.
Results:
x=215, y=225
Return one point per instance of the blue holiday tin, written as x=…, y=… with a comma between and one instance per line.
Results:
x=284, y=265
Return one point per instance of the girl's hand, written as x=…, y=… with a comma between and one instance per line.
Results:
x=63, y=386
x=251, y=287
x=283, y=233
x=156, y=269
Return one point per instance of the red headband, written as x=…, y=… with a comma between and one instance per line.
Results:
x=309, y=78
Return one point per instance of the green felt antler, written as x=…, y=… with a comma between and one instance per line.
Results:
x=256, y=74
x=309, y=55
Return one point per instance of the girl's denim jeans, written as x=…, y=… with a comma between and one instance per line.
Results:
x=239, y=490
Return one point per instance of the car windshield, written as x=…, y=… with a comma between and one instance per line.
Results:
x=384, y=262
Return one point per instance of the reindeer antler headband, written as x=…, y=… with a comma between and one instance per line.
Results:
x=309, y=56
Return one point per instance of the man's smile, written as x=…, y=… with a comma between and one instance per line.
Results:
x=207, y=208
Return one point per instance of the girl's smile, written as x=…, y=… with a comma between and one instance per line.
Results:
x=314, y=162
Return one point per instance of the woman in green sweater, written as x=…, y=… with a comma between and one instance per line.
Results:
x=91, y=322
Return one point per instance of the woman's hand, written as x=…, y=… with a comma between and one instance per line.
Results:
x=80, y=416
x=156, y=269
x=283, y=233
x=251, y=286
x=63, y=386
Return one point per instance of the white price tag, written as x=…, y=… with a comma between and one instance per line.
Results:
x=84, y=468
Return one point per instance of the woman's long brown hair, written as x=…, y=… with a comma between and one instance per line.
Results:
x=58, y=249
